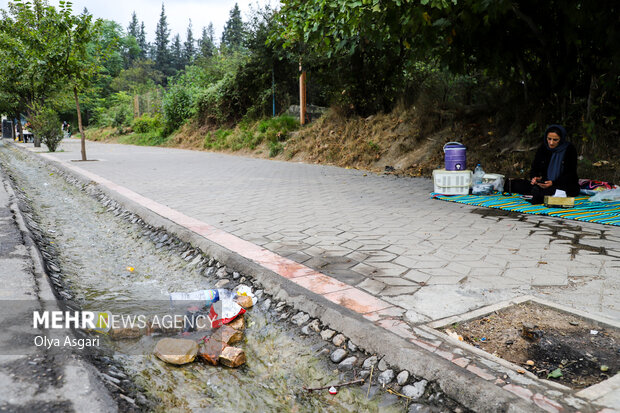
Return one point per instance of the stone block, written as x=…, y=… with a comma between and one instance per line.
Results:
x=176, y=351
x=232, y=357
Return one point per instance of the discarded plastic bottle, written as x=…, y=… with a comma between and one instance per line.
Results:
x=203, y=297
x=478, y=174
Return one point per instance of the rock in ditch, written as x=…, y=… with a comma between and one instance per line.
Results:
x=176, y=351
x=347, y=364
x=244, y=301
x=211, y=350
x=402, y=377
x=338, y=355
x=232, y=357
x=266, y=304
x=369, y=362
x=416, y=390
x=312, y=327
x=300, y=318
x=227, y=334
x=327, y=334
x=382, y=365
x=238, y=323
x=339, y=340
x=386, y=377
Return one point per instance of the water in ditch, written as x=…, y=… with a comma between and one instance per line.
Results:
x=95, y=250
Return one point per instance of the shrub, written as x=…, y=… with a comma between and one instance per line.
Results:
x=177, y=105
x=147, y=123
x=46, y=124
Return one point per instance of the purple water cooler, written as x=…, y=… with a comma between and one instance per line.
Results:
x=455, y=157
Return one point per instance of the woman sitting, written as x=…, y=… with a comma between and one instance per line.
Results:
x=554, y=166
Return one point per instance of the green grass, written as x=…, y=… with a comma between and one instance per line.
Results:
x=273, y=131
x=152, y=138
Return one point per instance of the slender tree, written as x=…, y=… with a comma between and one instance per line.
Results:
x=207, y=42
x=176, y=54
x=133, y=29
x=232, y=36
x=189, y=47
x=144, y=46
x=162, y=56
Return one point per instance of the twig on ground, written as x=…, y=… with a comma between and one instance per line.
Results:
x=370, y=380
x=335, y=385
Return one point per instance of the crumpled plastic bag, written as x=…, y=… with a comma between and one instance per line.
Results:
x=224, y=311
x=606, y=196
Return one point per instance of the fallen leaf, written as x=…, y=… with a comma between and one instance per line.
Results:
x=555, y=374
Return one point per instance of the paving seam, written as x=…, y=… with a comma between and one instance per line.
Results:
x=460, y=378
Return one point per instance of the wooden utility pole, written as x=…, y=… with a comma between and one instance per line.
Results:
x=136, y=106
x=302, y=95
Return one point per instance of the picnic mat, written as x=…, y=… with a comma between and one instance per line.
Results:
x=584, y=210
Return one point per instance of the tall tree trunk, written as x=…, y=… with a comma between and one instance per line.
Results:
x=80, y=127
x=20, y=133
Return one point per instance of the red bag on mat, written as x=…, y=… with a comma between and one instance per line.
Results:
x=592, y=185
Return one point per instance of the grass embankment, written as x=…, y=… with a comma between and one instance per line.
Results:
x=403, y=141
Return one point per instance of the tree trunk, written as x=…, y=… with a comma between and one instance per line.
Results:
x=20, y=133
x=80, y=127
x=590, y=98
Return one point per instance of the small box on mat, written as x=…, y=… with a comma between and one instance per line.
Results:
x=559, y=202
x=451, y=182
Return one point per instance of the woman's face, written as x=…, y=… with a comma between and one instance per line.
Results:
x=553, y=140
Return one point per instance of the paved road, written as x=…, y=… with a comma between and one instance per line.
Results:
x=382, y=234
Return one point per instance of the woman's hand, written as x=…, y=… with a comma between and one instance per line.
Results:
x=545, y=184
x=535, y=180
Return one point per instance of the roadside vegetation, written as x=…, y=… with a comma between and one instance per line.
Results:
x=400, y=78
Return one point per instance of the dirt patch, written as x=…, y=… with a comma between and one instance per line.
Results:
x=549, y=343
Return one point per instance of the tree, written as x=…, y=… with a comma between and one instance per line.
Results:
x=207, y=42
x=162, y=55
x=233, y=34
x=176, y=54
x=31, y=63
x=80, y=65
x=133, y=29
x=44, y=121
x=189, y=47
x=144, y=46
x=368, y=44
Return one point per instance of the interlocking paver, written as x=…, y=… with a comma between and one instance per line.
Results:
x=311, y=213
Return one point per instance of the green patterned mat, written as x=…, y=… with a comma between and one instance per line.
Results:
x=584, y=210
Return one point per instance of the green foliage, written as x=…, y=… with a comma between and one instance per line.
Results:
x=177, y=105
x=206, y=43
x=116, y=111
x=153, y=138
x=146, y=123
x=233, y=34
x=162, y=53
x=272, y=131
x=46, y=125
